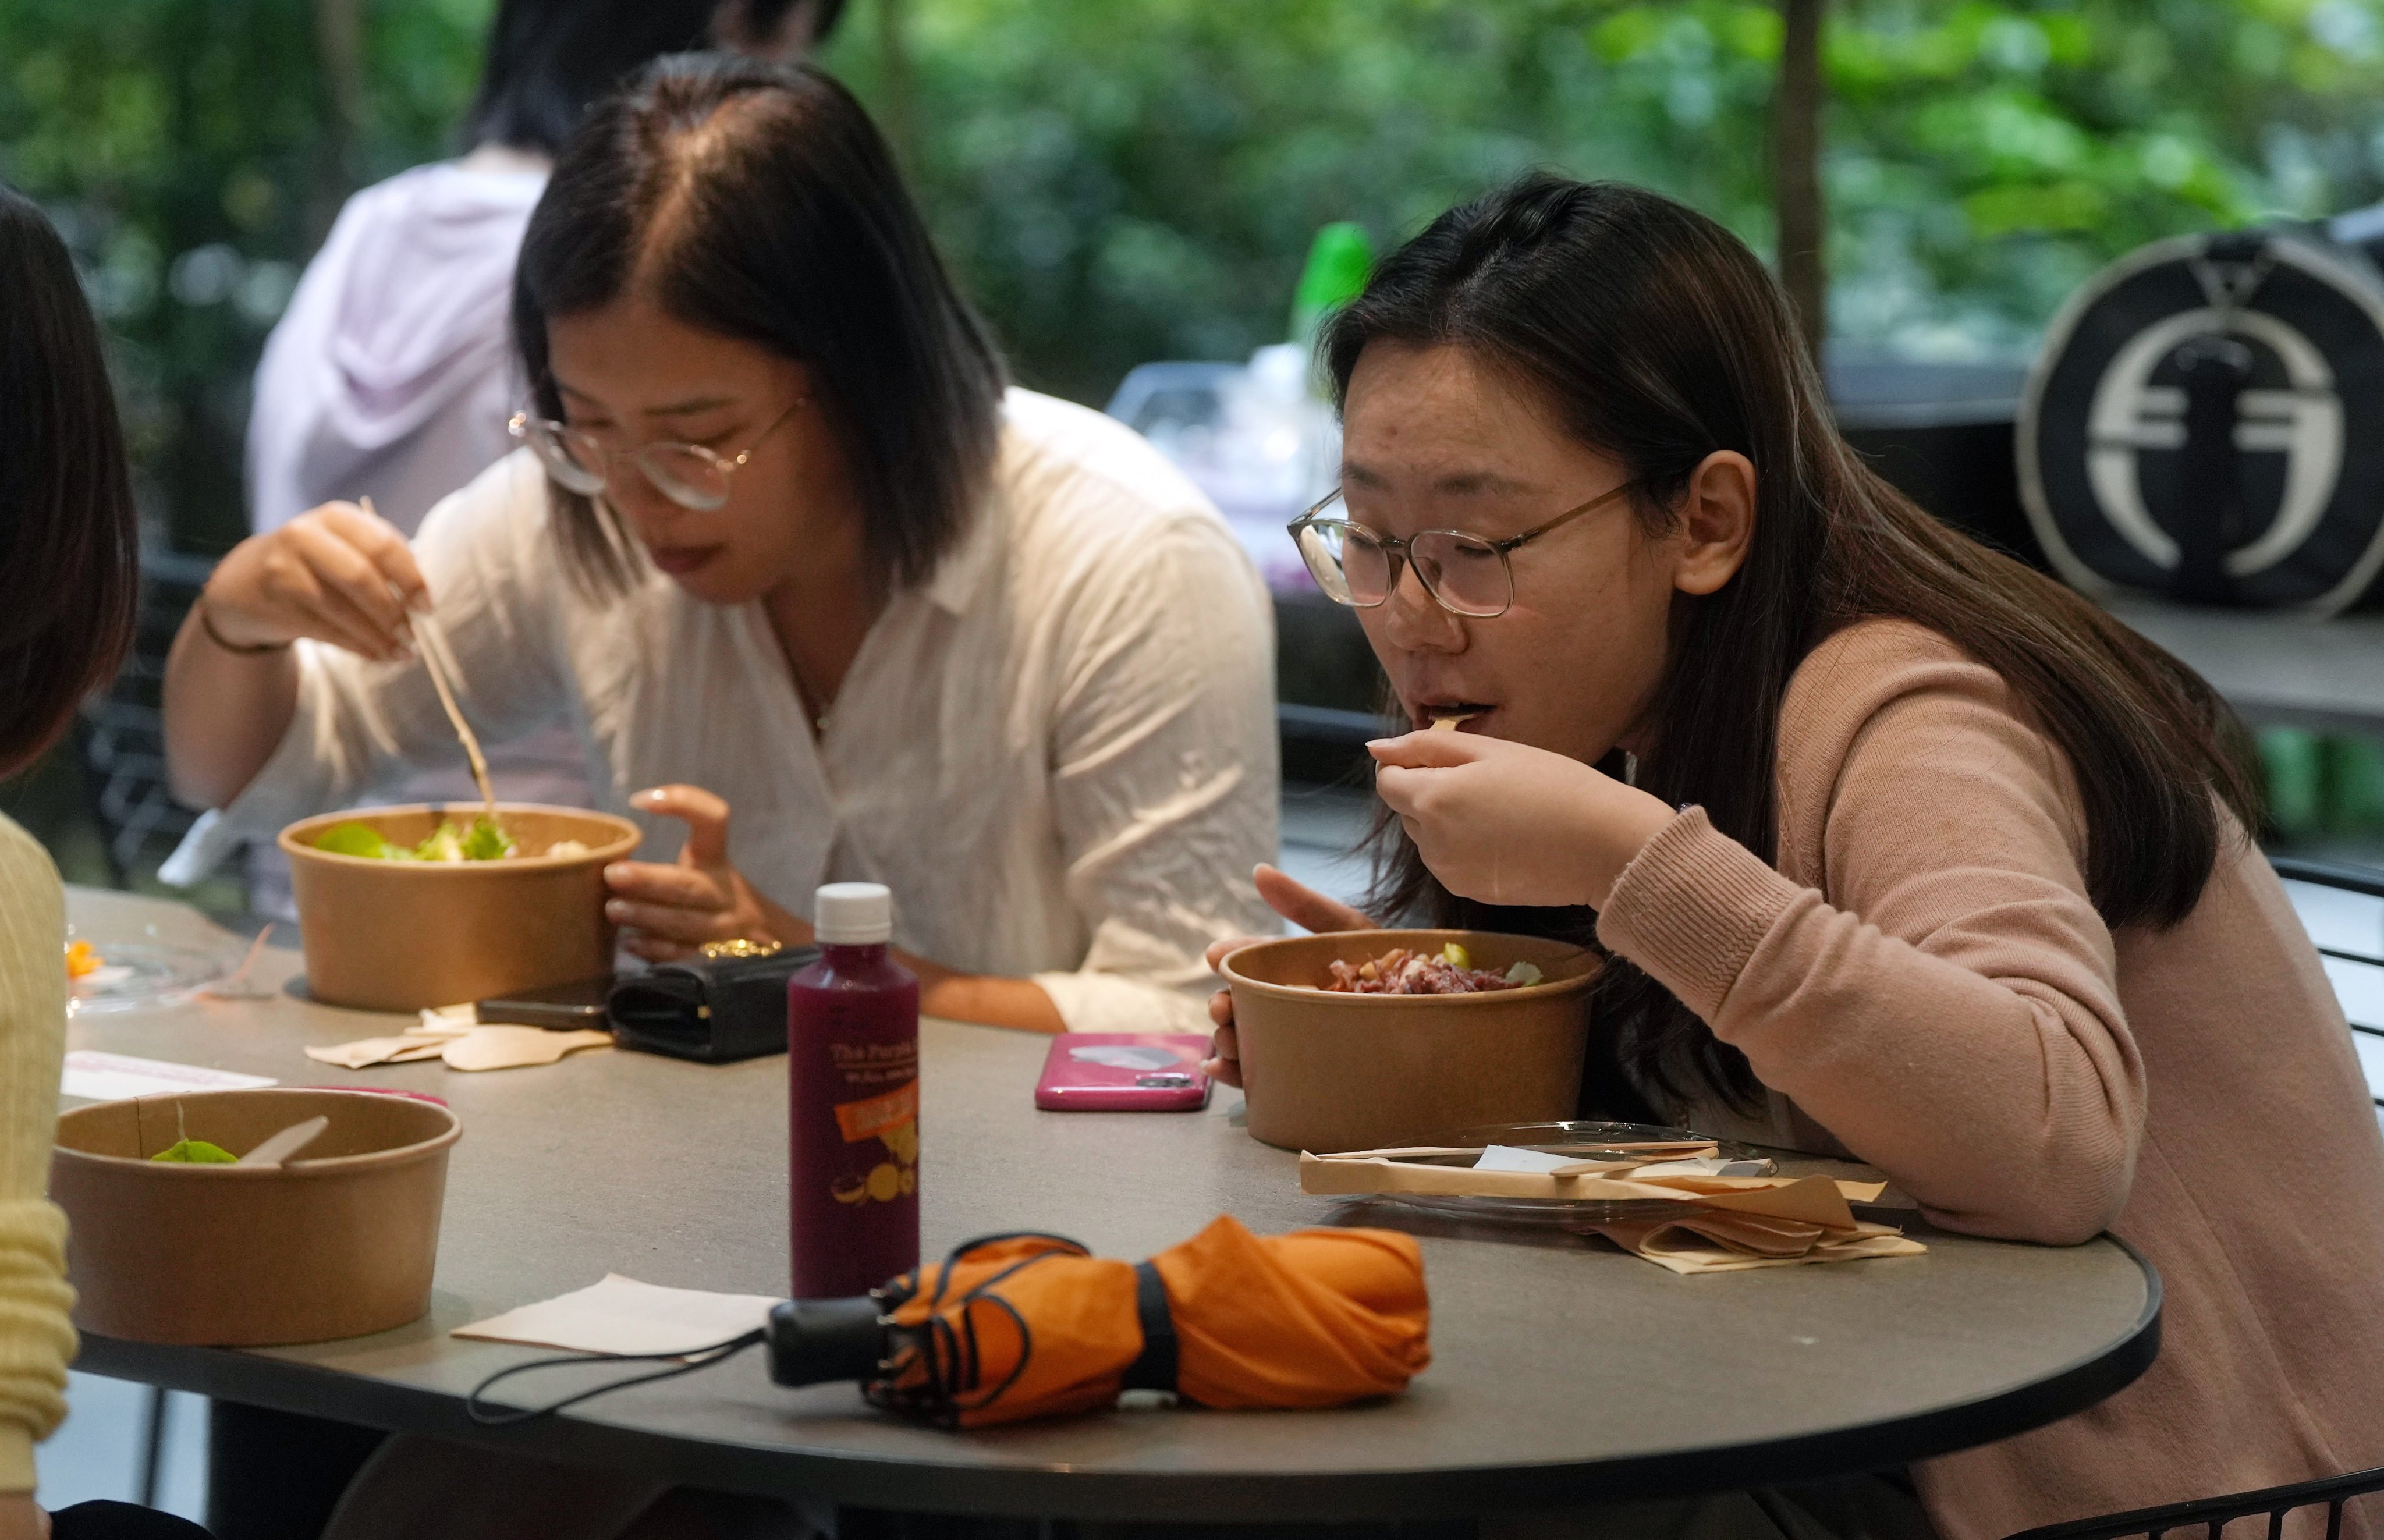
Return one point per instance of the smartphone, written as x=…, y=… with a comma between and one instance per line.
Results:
x=1124, y=1071
x=564, y=1007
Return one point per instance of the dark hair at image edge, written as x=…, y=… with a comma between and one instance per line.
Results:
x=760, y=204
x=545, y=60
x=69, y=544
x=1660, y=339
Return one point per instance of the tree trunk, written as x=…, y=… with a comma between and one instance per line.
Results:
x=339, y=51
x=894, y=74
x=1796, y=170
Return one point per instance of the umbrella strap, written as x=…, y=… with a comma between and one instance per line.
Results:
x=1155, y=1370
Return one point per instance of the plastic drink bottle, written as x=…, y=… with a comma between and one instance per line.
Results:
x=852, y=1102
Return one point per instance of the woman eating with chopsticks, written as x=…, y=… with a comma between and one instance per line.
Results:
x=1898, y=849
x=780, y=540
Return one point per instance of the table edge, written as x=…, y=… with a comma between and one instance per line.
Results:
x=1057, y=1492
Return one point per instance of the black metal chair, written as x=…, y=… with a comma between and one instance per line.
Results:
x=2213, y=1514
x=2359, y=954
x=123, y=731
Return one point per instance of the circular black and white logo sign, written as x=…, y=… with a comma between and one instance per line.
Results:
x=2105, y=464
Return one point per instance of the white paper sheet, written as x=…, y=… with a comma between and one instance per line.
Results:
x=117, y=1078
x=622, y=1315
x=1705, y=1165
x=1501, y=1156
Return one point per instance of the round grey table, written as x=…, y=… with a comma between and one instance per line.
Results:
x=1563, y=1370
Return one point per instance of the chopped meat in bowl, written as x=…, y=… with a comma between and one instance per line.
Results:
x=1449, y=971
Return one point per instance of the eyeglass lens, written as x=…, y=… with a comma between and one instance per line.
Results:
x=1465, y=574
x=684, y=473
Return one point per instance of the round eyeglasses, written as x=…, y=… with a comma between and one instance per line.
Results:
x=690, y=475
x=1466, y=574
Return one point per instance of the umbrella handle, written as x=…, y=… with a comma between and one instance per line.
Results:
x=814, y=1341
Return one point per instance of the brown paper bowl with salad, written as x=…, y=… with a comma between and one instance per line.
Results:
x=415, y=924
x=1329, y=1071
x=338, y=1241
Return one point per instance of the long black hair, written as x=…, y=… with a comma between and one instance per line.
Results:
x=760, y=204
x=69, y=544
x=1660, y=339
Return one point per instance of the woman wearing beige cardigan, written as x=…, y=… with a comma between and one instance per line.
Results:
x=1899, y=849
x=68, y=579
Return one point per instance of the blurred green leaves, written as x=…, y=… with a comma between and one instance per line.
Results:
x=1126, y=179
x=187, y=151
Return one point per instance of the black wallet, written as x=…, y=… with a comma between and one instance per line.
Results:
x=717, y=1008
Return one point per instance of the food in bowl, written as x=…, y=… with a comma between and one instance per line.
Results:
x=196, y=1152
x=338, y=1245
x=483, y=841
x=402, y=935
x=84, y=960
x=1329, y=1070
x=1449, y=971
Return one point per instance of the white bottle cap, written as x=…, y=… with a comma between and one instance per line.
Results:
x=853, y=914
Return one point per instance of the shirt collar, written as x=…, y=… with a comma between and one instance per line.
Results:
x=963, y=569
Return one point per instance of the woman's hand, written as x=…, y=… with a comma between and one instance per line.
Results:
x=1507, y=823
x=1304, y=907
x=668, y=912
x=337, y=574
x=22, y=1518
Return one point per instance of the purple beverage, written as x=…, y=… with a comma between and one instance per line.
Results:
x=853, y=1103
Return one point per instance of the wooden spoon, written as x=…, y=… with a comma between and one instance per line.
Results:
x=288, y=1142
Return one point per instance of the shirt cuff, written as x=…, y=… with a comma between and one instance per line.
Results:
x=1112, y=1003
x=16, y=1461
x=1691, y=909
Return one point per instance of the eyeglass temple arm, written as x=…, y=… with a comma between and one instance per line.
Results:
x=1600, y=501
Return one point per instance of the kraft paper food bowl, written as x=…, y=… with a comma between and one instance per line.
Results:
x=339, y=1242
x=1326, y=1072
x=404, y=935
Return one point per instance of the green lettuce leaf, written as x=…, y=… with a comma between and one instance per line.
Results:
x=355, y=838
x=196, y=1152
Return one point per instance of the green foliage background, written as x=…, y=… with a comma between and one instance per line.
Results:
x=1126, y=179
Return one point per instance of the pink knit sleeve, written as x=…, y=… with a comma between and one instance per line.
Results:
x=1948, y=1006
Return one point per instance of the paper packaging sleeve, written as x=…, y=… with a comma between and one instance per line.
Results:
x=1815, y=1200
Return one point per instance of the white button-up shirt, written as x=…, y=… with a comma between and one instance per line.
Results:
x=1058, y=753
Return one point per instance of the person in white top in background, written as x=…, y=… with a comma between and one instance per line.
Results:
x=780, y=531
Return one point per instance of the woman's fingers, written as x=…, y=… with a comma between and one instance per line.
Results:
x=309, y=582
x=654, y=949
x=705, y=812
x=1304, y=906
x=668, y=921
x=1217, y=950
x=1224, y=1062
x=327, y=549
x=1430, y=749
x=674, y=886
x=308, y=607
x=379, y=542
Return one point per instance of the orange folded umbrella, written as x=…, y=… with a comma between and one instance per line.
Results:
x=1017, y=1326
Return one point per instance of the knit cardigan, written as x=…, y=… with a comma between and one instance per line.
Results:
x=1919, y=978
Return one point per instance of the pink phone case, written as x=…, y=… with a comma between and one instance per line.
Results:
x=1124, y=1071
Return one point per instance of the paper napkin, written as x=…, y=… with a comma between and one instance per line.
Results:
x=622, y=1315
